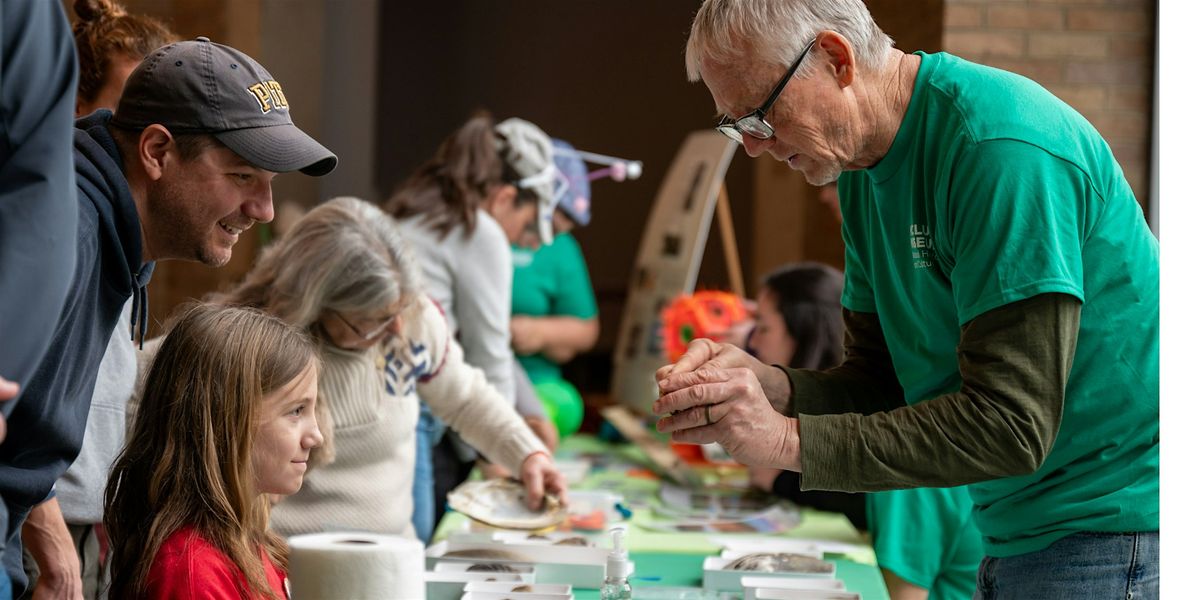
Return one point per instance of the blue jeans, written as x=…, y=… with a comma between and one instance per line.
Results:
x=429, y=433
x=5, y=586
x=1083, y=565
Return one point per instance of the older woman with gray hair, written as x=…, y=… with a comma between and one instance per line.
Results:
x=344, y=273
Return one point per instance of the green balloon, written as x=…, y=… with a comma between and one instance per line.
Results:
x=563, y=404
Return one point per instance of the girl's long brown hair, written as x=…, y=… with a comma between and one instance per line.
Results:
x=448, y=189
x=187, y=461
x=104, y=31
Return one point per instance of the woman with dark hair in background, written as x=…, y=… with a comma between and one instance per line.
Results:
x=485, y=186
x=798, y=323
x=925, y=541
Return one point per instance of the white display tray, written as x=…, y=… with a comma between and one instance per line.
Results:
x=513, y=596
x=717, y=577
x=494, y=587
x=450, y=566
x=780, y=594
x=570, y=565
x=449, y=585
x=802, y=550
x=752, y=584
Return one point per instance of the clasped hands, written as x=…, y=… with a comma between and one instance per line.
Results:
x=719, y=393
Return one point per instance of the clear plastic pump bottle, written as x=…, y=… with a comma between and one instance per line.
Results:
x=616, y=576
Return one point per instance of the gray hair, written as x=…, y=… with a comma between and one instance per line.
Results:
x=345, y=255
x=777, y=31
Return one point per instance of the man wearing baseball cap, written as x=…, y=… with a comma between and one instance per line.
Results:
x=181, y=170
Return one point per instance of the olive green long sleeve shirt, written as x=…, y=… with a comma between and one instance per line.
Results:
x=858, y=434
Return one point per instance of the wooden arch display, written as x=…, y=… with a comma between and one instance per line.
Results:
x=668, y=259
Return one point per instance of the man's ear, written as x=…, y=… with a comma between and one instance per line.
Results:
x=839, y=57
x=155, y=148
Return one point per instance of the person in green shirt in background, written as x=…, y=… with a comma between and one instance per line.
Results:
x=1001, y=301
x=554, y=308
x=925, y=541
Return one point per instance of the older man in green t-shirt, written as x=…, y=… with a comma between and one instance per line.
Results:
x=1001, y=299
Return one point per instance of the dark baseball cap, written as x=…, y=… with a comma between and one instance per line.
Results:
x=199, y=86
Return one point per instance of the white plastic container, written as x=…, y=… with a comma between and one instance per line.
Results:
x=778, y=594
x=550, y=538
x=512, y=596
x=570, y=565
x=450, y=566
x=449, y=585
x=717, y=577
x=751, y=585
x=744, y=543
x=810, y=551
x=740, y=549
x=495, y=587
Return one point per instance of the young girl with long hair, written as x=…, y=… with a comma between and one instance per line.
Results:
x=227, y=419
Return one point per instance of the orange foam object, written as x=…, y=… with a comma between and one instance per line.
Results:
x=690, y=453
x=704, y=314
x=593, y=521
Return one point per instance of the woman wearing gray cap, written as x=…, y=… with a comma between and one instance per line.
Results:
x=484, y=186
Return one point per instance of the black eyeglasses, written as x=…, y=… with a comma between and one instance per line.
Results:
x=755, y=122
x=370, y=334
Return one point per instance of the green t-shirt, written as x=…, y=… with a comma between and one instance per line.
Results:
x=926, y=536
x=551, y=281
x=995, y=191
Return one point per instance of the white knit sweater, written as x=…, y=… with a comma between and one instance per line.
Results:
x=372, y=396
x=470, y=276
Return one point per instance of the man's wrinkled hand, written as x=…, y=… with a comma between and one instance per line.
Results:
x=729, y=407
x=707, y=355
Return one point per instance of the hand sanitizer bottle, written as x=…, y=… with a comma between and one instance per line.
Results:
x=616, y=580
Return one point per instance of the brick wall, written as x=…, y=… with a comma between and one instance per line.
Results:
x=1097, y=55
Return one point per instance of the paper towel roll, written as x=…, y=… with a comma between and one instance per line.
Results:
x=356, y=566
